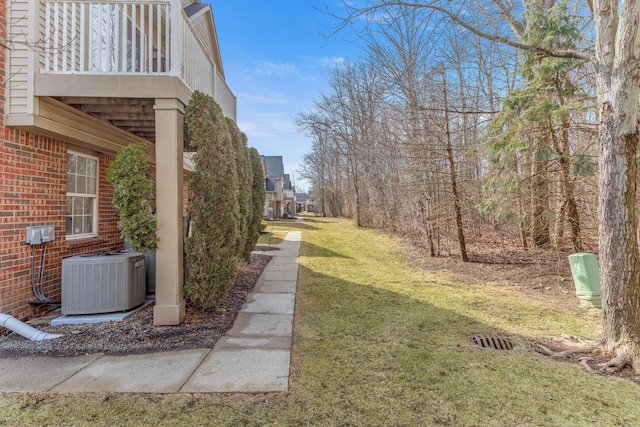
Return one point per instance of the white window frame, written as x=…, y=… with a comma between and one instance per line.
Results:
x=94, y=220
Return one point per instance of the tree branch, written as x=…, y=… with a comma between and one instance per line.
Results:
x=516, y=26
x=557, y=53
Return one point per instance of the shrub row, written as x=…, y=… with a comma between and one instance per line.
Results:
x=226, y=202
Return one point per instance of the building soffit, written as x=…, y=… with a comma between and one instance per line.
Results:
x=126, y=102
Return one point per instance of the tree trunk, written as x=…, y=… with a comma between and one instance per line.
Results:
x=539, y=197
x=568, y=202
x=453, y=176
x=618, y=79
x=620, y=278
x=522, y=225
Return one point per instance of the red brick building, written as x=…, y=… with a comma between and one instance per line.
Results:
x=64, y=113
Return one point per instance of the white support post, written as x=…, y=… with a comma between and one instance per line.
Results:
x=65, y=41
x=170, y=307
x=47, y=46
x=84, y=34
x=124, y=23
x=74, y=35
x=175, y=19
x=134, y=41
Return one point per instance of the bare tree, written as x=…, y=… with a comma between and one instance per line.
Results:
x=617, y=73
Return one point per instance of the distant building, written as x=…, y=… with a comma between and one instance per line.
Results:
x=301, y=202
x=288, y=197
x=273, y=169
x=311, y=202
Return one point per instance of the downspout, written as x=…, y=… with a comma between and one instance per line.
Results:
x=23, y=329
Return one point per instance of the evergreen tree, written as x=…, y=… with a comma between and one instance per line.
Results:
x=534, y=125
x=245, y=180
x=257, y=199
x=130, y=175
x=212, y=252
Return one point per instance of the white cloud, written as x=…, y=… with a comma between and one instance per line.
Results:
x=272, y=98
x=331, y=61
x=266, y=68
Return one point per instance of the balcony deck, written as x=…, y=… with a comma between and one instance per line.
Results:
x=110, y=59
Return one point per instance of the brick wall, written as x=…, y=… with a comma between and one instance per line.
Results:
x=33, y=192
x=185, y=193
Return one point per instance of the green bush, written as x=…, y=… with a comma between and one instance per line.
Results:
x=212, y=254
x=245, y=181
x=257, y=199
x=130, y=175
x=263, y=225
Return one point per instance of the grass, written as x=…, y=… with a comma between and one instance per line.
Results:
x=271, y=237
x=380, y=343
x=276, y=231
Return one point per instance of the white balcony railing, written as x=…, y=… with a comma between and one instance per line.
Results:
x=129, y=37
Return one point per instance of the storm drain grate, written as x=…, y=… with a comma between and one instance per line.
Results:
x=491, y=341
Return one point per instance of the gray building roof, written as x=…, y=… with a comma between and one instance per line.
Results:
x=274, y=169
x=287, y=182
x=194, y=8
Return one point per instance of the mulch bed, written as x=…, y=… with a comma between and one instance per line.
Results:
x=136, y=334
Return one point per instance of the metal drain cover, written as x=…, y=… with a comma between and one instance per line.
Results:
x=491, y=341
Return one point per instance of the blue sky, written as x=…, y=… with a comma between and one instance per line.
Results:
x=275, y=55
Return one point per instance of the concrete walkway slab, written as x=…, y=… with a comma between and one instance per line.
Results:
x=270, y=303
x=225, y=343
x=276, y=287
x=139, y=373
x=280, y=274
x=243, y=371
x=274, y=325
x=278, y=264
x=39, y=374
x=253, y=357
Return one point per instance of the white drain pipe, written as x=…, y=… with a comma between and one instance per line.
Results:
x=23, y=329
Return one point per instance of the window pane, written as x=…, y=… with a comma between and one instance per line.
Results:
x=71, y=183
x=71, y=163
x=88, y=206
x=87, y=227
x=82, y=179
x=69, y=229
x=92, y=167
x=81, y=184
x=77, y=206
x=82, y=165
x=91, y=186
x=76, y=225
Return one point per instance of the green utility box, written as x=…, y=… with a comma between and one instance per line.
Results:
x=586, y=278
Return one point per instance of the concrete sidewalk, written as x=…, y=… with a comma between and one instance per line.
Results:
x=254, y=356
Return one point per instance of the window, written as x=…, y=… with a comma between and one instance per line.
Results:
x=82, y=197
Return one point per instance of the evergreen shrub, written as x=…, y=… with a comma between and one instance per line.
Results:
x=257, y=199
x=212, y=254
x=130, y=174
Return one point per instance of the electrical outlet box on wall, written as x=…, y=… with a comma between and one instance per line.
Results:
x=48, y=233
x=40, y=234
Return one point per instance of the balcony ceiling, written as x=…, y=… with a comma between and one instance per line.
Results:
x=133, y=115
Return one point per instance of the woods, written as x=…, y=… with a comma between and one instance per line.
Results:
x=460, y=118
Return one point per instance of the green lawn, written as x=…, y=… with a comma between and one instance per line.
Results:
x=380, y=343
x=277, y=230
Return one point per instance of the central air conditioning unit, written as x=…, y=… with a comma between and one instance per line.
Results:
x=103, y=283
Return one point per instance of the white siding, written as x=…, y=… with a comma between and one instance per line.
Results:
x=18, y=57
x=201, y=29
